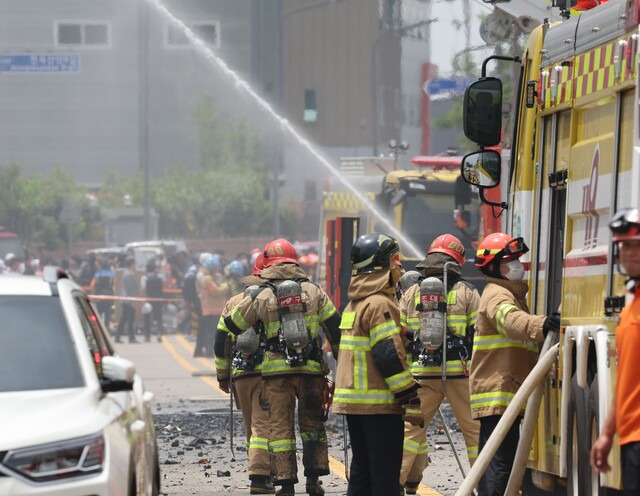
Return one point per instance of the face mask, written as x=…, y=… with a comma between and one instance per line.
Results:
x=516, y=271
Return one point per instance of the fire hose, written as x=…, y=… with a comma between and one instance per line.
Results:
x=532, y=381
x=528, y=429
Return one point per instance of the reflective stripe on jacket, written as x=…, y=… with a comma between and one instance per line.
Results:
x=223, y=360
x=505, y=346
x=361, y=387
x=462, y=312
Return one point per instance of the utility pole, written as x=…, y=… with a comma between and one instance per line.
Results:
x=143, y=115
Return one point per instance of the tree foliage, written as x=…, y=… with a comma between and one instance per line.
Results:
x=227, y=196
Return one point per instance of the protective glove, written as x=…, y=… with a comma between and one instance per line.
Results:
x=412, y=413
x=551, y=323
x=407, y=396
x=224, y=386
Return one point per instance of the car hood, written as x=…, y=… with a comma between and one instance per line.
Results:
x=39, y=417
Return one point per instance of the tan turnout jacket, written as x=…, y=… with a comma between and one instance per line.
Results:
x=505, y=346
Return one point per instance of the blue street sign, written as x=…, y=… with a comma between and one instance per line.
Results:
x=40, y=62
x=453, y=86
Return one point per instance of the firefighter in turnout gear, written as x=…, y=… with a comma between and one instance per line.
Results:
x=242, y=356
x=293, y=310
x=505, y=349
x=374, y=387
x=426, y=367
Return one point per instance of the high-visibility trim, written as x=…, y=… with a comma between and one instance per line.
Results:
x=364, y=263
x=272, y=329
x=472, y=318
x=271, y=366
x=347, y=320
x=403, y=320
x=383, y=331
x=497, y=341
x=282, y=445
x=417, y=448
x=354, y=343
x=452, y=297
x=261, y=443
x=222, y=326
x=399, y=381
x=326, y=311
x=413, y=323
x=501, y=315
x=490, y=399
x=238, y=320
x=364, y=396
x=454, y=367
x=319, y=436
x=472, y=452
x=360, y=370
x=222, y=363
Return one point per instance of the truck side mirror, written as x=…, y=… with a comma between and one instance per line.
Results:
x=482, y=168
x=482, y=111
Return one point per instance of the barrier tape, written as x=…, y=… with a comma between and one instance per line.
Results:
x=134, y=298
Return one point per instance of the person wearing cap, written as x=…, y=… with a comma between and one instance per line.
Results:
x=14, y=264
x=623, y=418
x=292, y=376
x=374, y=387
x=462, y=309
x=505, y=349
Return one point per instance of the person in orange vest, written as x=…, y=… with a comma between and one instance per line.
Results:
x=624, y=414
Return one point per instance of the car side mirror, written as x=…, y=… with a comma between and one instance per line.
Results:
x=482, y=168
x=118, y=374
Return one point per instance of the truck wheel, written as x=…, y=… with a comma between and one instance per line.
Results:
x=577, y=454
x=593, y=431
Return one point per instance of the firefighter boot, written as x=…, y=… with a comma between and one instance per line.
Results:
x=261, y=484
x=411, y=487
x=287, y=490
x=314, y=487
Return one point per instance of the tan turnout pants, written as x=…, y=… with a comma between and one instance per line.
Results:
x=414, y=456
x=281, y=394
x=255, y=413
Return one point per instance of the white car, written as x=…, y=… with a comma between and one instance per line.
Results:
x=74, y=417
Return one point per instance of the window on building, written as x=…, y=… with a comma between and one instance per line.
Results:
x=207, y=31
x=310, y=108
x=82, y=33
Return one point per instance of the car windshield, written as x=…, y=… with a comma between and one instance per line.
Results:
x=37, y=349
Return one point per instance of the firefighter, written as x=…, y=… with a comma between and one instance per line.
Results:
x=462, y=306
x=247, y=384
x=292, y=310
x=624, y=413
x=374, y=387
x=505, y=349
x=213, y=295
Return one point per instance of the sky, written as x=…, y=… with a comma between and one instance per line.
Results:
x=449, y=14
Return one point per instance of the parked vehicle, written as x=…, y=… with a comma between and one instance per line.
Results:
x=75, y=417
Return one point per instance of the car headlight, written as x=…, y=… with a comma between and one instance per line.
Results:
x=60, y=460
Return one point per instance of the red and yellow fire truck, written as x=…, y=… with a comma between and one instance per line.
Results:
x=421, y=203
x=575, y=161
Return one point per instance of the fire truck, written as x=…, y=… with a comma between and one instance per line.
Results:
x=575, y=161
x=421, y=203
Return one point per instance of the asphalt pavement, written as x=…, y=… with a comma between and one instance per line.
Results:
x=193, y=418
